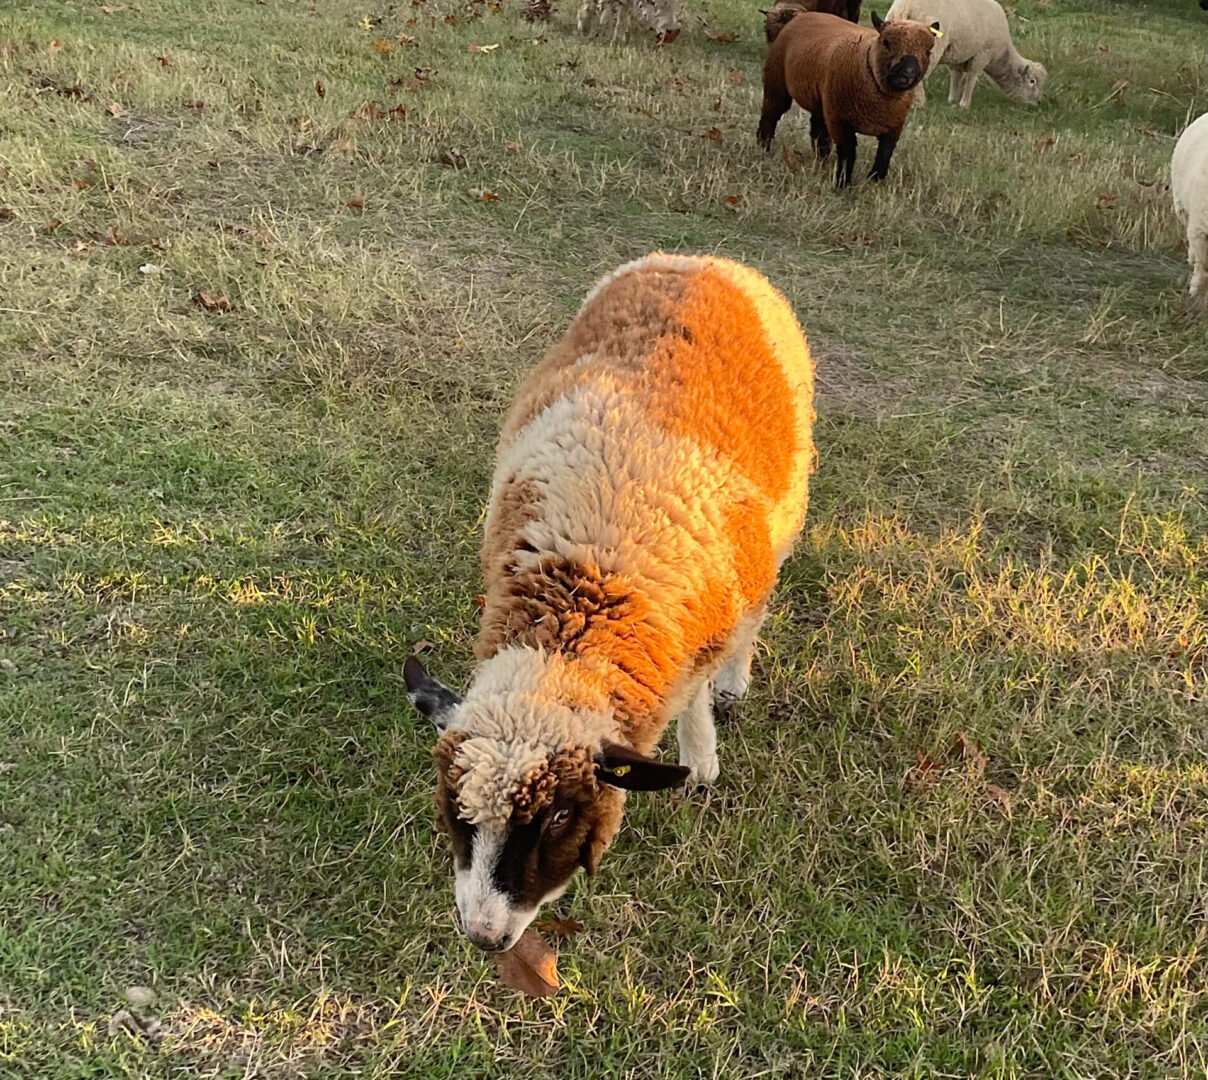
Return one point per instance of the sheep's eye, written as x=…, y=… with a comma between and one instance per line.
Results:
x=559, y=818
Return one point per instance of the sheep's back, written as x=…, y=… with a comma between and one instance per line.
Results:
x=665, y=444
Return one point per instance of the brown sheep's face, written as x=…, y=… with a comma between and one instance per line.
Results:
x=903, y=51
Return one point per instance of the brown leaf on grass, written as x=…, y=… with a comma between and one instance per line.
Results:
x=724, y=36
x=112, y=9
x=408, y=41
x=55, y=45
x=213, y=302
x=713, y=134
x=382, y=46
x=488, y=196
x=7, y=213
x=320, y=89
x=537, y=10
x=924, y=774
x=451, y=157
x=999, y=797
x=164, y=61
x=515, y=147
x=736, y=77
x=357, y=202
x=114, y=109
x=195, y=106
x=1045, y=143
x=589, y=81
x=560, y=928
x=344, y=146
x=1105, y=200
x=423, y=645
x=792, y=158
x=1078, y=159
x=115, y=237
x=970, y=752
x=480, y=601
x=53, y=224
x=733, y=201
x=529, y=966
x=482, y=48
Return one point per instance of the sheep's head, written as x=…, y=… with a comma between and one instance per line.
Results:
x=523, y=808
x=902, y=52
x=1028, y=83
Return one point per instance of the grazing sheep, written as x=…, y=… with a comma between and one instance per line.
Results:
x=777, y=16
x=1189, y=188
x=659, y=16
x=976, y=39
x=651, y=477
x=849, y=79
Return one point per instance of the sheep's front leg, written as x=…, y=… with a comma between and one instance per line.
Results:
x=845, y=144
x=698, y=738
x=775, y=105
x=880, y=165
x=972, y=70
x=954, y=84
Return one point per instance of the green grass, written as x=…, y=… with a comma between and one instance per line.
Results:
x=221, y=532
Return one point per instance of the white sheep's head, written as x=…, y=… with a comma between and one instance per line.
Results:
x=523, y=809
x=1029, y=81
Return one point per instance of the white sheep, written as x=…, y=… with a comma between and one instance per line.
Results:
x=1189, y=188
x=659, y=16
x=975, y=38
x=651, y=478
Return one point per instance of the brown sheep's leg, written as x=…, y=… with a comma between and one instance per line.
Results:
x=775, y=105
x=819, y=136
x=880, y=165
x=845, y=144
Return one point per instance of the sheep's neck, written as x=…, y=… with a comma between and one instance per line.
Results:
x=1000, y=69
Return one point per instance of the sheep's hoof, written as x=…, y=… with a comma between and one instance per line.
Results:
x=702, y=774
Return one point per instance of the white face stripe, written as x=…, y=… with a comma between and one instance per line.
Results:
x=485, y=911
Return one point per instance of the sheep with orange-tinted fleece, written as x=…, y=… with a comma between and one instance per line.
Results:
x=651, y=478
x=850, y=79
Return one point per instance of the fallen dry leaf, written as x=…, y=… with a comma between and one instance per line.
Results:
x=115, y=237
x=736, y=76
x=482, y=48
x=53, y=224
x=320, y=89
x=7, y=213
x=195, y=106
x=421, y=646
x=382, y=46
x=514, y=146
x=970, y=752
x=111, y=9
x=712, y=134
x=924, y=774
x=535, y=10
x=164, y=61
x=357, y=202
x=407, y=40
x=792, y=158
x=451, y=157
x=212, y=302
x=114, y=109
x=488, y=196
x=55, y=45
x=560, y=928
x=733, y=201
x=344, y=146
x=1001, y=798
x=480, y=600
x=1045, y=143
x=724, y=36
x=529, y=966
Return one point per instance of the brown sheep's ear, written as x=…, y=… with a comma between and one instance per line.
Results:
x=877, y=21
x=623, y=767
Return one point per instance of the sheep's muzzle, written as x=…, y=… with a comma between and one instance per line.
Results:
x=905, y=74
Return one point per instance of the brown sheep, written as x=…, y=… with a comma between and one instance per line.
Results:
x=778, y=15
x=849, y=79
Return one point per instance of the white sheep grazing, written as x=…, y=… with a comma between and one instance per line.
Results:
x=1189, y=188
x=974, y=38
x=659, y=16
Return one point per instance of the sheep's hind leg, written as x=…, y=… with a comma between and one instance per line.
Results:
x=774, y=107
x=698, y=738
x=880, y=165
x=819, y=136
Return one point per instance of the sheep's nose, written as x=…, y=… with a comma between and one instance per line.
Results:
x=487, y=936
x=905, y=74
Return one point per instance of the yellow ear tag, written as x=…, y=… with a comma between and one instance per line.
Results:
x=621, y=770
x=937, y=33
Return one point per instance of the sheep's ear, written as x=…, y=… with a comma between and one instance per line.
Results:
x=877, y=21
x=623, y=767
x=435, y=700
x=935, y=29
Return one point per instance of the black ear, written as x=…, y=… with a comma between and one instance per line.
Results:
x=433, y=699
x=877, y=21
x=623, y=767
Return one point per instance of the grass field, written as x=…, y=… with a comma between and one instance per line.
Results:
x=222, y=528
